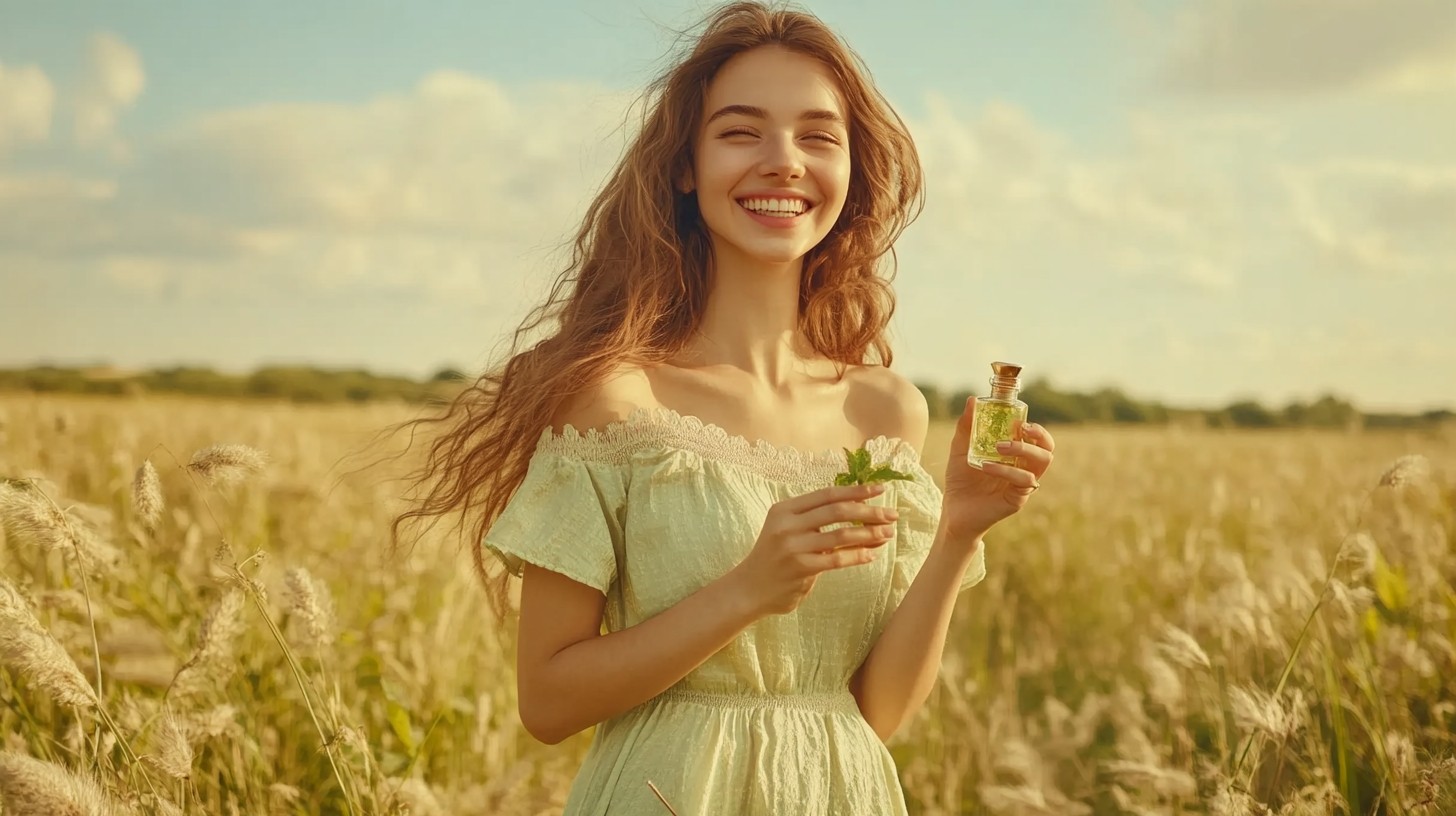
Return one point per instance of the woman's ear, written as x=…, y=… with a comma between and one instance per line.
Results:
x=685, y=182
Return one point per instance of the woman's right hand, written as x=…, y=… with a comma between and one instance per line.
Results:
x=791, y=551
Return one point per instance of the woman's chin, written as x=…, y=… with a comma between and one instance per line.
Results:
x=766, y=253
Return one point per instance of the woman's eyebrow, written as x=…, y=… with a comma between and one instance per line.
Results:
x=817, y=114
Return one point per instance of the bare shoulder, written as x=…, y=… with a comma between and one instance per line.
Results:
x=896, y=406
x=622, y=391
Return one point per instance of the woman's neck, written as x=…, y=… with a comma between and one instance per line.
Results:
x=751, y=323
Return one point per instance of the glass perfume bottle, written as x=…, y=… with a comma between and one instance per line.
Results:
x=998, y=417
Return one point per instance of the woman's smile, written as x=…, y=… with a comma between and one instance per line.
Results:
x=777, y=212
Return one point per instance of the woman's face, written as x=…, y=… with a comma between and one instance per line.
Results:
x=771, y=165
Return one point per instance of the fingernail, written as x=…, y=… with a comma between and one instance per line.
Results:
x=1003, y=446
x=877, y=488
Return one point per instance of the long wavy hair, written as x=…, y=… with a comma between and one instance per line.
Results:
x=636, y=285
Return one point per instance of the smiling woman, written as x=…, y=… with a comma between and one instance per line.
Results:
x=795, y=131
x=766, y=629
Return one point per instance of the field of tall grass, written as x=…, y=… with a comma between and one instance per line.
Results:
x=198, y=614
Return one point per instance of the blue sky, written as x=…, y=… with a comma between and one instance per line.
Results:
x=1194, y=201
x=204, y=56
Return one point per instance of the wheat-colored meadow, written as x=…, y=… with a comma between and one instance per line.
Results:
x=1184, y=621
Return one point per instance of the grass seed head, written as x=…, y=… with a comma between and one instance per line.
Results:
x=1411, y=470
x=146, y=495
x=311, y=602
x=211, y=662
x=30, y=787
x=1164, y=686
x=1231, y=802
x=227, y=464
x=1360, y=553
x=30, y=518
x=1255, y=710
x=33, y=652
x=212, y=723
x=415, y=797
x=1181, y=648
x=173, y=753
x=33, y=519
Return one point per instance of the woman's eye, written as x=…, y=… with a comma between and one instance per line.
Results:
x=735, y=132
x=826, y=137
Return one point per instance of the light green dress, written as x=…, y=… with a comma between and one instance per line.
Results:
x=649, y=510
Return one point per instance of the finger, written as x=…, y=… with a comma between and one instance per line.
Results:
x=1031, y=457
x=1013, y=475
x=846, y=511
x=846, y=557
x=960, y=443
x=871, y=535
x=830, y=495
x=1038, y=436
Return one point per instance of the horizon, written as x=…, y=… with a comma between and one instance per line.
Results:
x=1137, y=194
x=103, y=371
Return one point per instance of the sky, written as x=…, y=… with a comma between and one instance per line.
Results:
x=1195, y=202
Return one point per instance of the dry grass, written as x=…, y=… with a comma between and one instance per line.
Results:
x=1185, y=622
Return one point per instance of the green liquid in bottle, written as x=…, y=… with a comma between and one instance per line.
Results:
x=996, y=421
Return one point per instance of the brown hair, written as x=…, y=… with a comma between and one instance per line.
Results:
x=637, y=282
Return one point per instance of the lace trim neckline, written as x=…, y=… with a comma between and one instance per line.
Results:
x=665, y=425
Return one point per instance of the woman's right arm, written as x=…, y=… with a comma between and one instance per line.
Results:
x=571, y=677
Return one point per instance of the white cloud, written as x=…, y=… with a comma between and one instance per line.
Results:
x=27, y=101
x=1003, y=186
x=1304, y=46
x=460, y=155
x=112, y=82
x=1376, y=217
x=461, y=187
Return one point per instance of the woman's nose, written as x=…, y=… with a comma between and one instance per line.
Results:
x=782, y=157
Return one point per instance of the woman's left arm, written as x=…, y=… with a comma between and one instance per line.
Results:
x=900, y=670
x=896, y=677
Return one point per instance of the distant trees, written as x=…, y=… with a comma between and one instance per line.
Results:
x=1049, y=404
x=292, y=383
x=1052, y=405
x=1325, y=412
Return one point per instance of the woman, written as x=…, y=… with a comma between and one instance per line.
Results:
x=765, y=630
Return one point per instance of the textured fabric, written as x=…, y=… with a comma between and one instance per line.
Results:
x=651, y=509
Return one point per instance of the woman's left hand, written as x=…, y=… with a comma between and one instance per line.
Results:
x=977, y=498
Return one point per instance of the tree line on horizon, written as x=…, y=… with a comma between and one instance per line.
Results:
x=1049, y=404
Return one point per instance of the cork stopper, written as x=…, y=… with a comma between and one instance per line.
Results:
x=1008, y=370
x=1005, y=380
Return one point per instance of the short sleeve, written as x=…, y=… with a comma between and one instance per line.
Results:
x=566, y=517
x=919, y=503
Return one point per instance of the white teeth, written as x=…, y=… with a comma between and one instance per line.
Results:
x=783, y=207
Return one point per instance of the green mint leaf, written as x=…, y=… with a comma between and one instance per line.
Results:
x=862, y=471
x=885, y=473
